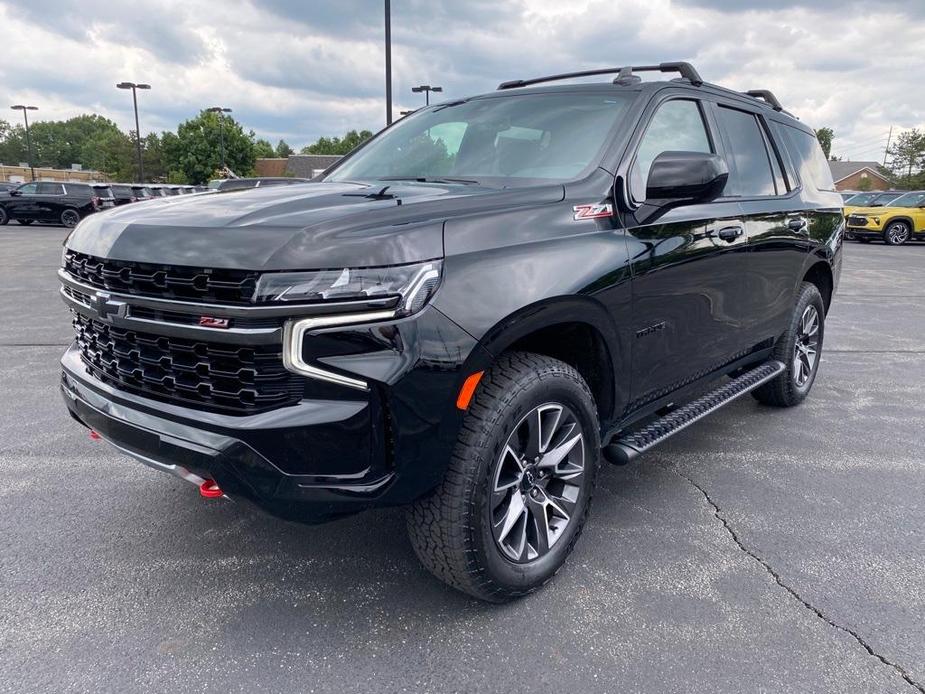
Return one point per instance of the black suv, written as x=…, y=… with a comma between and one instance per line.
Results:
x=466, y=313
x=49, y=202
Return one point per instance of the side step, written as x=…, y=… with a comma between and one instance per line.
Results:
x=631, y=444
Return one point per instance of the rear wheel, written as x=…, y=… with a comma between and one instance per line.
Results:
x=896, y=233
x=516, y=494
x=70, y=217
x=799, y=348
x=24, y=222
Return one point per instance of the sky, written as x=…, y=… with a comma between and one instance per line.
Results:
x=300, y=69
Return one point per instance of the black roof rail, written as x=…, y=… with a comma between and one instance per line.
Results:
x=686, y=69
x=766, y=95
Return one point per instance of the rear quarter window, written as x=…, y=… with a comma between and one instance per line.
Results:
x=807, y=156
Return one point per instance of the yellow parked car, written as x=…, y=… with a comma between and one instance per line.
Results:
x=874, y=198
x=901, y=220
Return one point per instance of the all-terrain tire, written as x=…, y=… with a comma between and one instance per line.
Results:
x=793, y=385
x=452, y=529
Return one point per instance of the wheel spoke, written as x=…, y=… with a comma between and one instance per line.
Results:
x=553, y=458
x=539, y=526
x=512, y=527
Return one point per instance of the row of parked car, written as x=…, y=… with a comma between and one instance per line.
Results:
x=893, y=216
x=55, y=202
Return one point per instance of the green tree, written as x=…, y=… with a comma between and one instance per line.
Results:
x=338, y=145
x=907, y=154
x=283, y=149
x=196, y=150
x=264, y=150
x=865, y=184
x=825, y=137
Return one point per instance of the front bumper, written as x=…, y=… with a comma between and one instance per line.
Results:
x=863, y=233
x=321, y=458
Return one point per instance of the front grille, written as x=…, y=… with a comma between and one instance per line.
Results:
x=855, y=221
x=206, y=285
x=225, y=378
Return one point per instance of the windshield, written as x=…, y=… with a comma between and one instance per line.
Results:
x=909, y=200
x=510, y=140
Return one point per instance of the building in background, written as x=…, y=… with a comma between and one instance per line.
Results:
x=296, y=165
x=21, y=174
x=859, y=175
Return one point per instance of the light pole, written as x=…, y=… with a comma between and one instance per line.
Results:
x=221, y=111
x=388, y=62
x=133, y=86
x=427, y=89
x=21, y=107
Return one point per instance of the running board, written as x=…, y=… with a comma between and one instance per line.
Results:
x=631, y=444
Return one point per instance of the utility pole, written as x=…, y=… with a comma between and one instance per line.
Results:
x=887, y=148
x=388, y=62
x=24, y=109
x=134, y=87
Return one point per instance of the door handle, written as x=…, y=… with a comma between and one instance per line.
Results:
x=729, y=234
x=797, y=224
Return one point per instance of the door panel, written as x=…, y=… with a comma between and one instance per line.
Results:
x=688, y=295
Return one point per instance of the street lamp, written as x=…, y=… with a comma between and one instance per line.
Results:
x=221, y=111
x=427, y=89
x=21, y=107
x=388, y=62
x=134, y=87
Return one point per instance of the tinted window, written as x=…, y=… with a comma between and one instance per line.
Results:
x=909, y=200
x=233, y=184
x=50, y=189
x=102, y=191
x=78, y=189
x=677, y=126
x=502, y=140
x=28, y=188
x=122, y=191
x=884, y=198
x=807, y=156
x=750, y=165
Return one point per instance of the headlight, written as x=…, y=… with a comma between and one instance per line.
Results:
x=412, y=285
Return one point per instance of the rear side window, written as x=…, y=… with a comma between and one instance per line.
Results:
x=677, y=126
x=751, y=173
x=78, y=189
x=807, y=156
x=50, y=189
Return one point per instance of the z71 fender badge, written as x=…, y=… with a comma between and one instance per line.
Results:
x=598, y=211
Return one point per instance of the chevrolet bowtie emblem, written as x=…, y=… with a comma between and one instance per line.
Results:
x=106, y=307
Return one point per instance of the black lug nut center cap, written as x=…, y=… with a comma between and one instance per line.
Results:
x=528, y=481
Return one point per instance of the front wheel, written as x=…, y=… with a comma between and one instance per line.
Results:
x=4, y=217
x=799, y=348
x=896, y=233
x=516, y=493
x=70, y=218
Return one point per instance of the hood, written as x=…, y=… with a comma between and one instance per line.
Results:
x=867, y=210
x=295, y=227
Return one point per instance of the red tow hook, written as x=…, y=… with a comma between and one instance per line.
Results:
x=95, y=436
x=210, y=490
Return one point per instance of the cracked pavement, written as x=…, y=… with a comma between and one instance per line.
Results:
x=760, y=550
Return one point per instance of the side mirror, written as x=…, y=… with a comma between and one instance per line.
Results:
x=15, y=192
x=684, y=178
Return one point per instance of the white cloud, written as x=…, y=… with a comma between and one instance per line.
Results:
x=300, y=70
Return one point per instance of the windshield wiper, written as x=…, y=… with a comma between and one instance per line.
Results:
x=430, y=179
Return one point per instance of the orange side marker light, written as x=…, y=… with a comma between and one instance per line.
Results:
x=468, y=390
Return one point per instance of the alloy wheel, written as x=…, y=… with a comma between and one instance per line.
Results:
x=898, y=233
x=70, y=218
x=537, y=482
x=806, y=347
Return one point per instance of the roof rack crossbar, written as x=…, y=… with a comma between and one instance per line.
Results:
x=686, y=69
x=766, y=95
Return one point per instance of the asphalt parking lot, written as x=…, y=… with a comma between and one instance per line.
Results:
x=759, y=551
